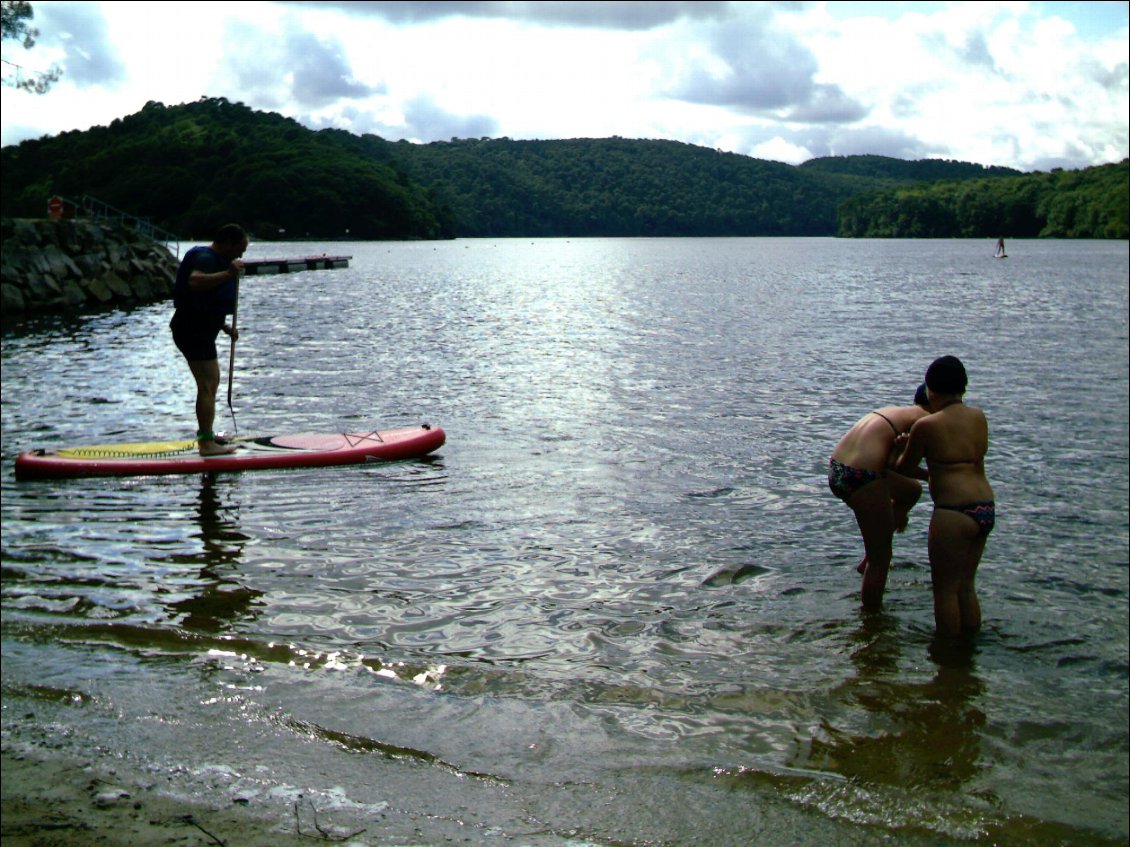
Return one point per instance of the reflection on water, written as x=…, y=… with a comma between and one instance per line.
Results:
x=888, y=747
x=624, y=572
x=219, y=597
x=917, y=735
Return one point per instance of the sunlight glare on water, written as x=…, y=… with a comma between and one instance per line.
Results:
x=626, y=542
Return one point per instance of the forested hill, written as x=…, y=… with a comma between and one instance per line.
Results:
x=619, y=187
x=884, y=168
x=1092, y=203
x=189, y=167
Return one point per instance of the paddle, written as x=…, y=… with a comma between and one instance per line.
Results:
x=231, y=358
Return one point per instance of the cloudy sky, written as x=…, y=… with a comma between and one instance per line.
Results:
x=1031, y=85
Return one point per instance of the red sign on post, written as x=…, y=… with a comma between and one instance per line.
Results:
x=55, y=208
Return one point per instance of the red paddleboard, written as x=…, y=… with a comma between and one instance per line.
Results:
x=278, y=451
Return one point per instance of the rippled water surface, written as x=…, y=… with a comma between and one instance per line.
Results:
x=620, y=605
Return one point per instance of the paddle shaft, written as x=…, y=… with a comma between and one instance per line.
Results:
x=231, y=358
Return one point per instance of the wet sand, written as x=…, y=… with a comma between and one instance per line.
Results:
x=51, y=799
x=52, y=802
x=55, y=801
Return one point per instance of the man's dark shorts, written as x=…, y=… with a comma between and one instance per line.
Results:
x=197, y=342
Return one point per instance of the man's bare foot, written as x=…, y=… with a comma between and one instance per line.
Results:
x=211, y=448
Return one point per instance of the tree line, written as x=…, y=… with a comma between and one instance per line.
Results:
x=188, y=167
x=1092, y=203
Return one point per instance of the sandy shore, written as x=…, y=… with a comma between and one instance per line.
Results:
x=52, y=802
x=50, y=799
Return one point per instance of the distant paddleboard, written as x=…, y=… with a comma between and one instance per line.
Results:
x=313, y=450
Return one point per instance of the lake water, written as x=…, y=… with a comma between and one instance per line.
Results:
x=620, y=605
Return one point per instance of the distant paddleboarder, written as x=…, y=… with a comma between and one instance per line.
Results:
x=1000, y=254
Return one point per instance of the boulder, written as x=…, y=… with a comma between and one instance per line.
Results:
x=77, y=264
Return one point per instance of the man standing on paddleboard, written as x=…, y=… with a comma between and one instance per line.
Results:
x=204, y=295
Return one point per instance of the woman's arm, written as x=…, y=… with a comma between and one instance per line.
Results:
x=914, y=448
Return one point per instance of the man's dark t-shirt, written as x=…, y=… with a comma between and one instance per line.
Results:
x=199, y=315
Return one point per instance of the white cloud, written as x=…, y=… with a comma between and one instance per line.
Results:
x=1011, y=83
x=79, y=32
x=777, y=149
x=289, y=65
x=602, y=14
x=425, y=120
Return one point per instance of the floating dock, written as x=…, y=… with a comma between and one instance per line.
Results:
x=257, y=267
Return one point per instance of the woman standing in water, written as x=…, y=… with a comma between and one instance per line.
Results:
x=953, y=441
x=858, y=473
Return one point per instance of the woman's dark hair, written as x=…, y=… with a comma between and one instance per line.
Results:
x=921, y=398
x=947, y=376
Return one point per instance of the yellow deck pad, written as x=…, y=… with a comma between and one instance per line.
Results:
x=144, y=450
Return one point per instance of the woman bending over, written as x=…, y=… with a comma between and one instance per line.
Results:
x=858, y=473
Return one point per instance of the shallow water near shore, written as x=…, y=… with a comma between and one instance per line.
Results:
x=620, y=605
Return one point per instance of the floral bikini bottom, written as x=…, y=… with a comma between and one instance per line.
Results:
x=844, y=480
x=985, y=514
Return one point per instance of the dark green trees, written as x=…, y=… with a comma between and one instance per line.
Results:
x=188, y=167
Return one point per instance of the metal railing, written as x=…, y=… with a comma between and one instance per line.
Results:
x=101, y=211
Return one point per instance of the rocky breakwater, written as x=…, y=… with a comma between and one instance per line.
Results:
x=75, y=265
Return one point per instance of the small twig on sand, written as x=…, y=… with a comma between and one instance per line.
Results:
x=322, y=834
x=189, y=819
